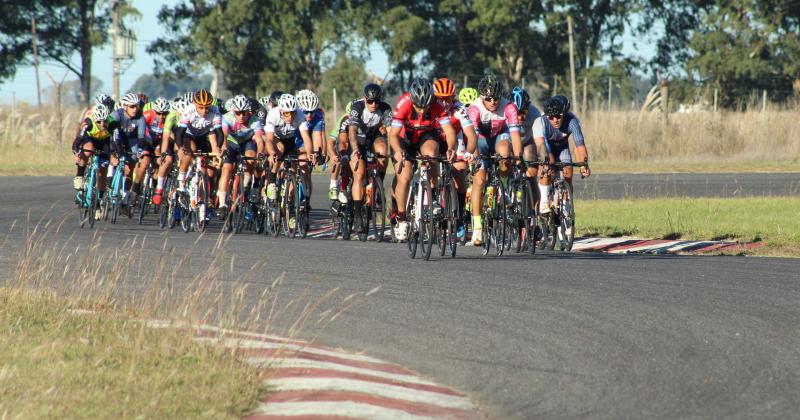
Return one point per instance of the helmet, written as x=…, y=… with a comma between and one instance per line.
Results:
x=188, y=97
x=103, y=99
x=421, y=92
x=287, y=102
x=143, y=98
x=238, y=103
x=444, y=88
x=275, y=96
x=373, y=92
x=520, y=98
x=263, y=101
x=467, y=95
x=130, y=99
x=252, y=104
x=490, y=86
x=203, y=98
x=161, y=105
x=99, y=113
x=308, y=100
x=178, y=105
x=228, y=105
x=557, y=105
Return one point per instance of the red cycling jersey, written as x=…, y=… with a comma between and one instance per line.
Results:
x=155, y=128
x=414, y=125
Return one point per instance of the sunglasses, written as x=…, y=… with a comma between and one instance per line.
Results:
x=555, y=117
x=287, y=114
x=198, y=107
x=491, y=98
x=371, y=101
x=161, y=114
x=131, y=106
x=239, y=112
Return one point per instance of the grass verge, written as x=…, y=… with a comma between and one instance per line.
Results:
x=773, y=221
x=59, y=364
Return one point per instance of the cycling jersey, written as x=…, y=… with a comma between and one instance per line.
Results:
x=415, y=125
x=526, y=127
x=558, y=137
x=459, y=118
x=283, y=130
x=317, y=122
x=367, y=122
x=261, y=114
x=340, y=127
x=171, y=122
x=197, y=126
x=241, y=133
x=128, y=132
x=155, y=129
x=490, y=124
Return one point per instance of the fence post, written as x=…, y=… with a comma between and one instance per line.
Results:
x=585, y=104
x=764, y=101
x=716, y=94
x=608, y=103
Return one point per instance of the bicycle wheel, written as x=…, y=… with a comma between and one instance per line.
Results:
x=450, y=203
x=287, y=207
x=566, y=227
x=83, y=199
x=346, y=220
x=230, y=224
x=165, y=209
x=376, y=210
x=145, y=198
x=412, y=240
x=301, y=209
x=500, y=226
x=487, y=214
x=529, y=219
x=426, y=230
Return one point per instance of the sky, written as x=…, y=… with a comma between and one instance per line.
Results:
x=22, y=87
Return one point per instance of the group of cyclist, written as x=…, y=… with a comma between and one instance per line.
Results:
x=428, y=120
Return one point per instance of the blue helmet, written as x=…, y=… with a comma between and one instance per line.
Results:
x=520, y=98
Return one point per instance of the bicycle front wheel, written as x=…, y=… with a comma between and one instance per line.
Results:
x=451, y=213
x=426, y=230
x=566, y=227
x=377, y=210
x=500, y=226
x=411, y=210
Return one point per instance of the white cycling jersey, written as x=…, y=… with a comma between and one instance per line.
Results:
x=526, y=127
x=200, y=126
x=283, y=130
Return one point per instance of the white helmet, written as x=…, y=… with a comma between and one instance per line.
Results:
x=130, y=99
x=238, y=103
x=99, y=113
x=308, y=100
x=161, y=105
x=263, y=101
x=287, y=102
x=178, y=105
x=103, y=99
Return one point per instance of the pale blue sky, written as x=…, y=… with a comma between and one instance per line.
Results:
x=23, y=84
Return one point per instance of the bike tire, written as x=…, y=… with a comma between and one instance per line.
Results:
x=412, y=239
x=567, y=222
x=377, y=210
x=501, y=225
x=427, y=232
x=452, y=214
x=301, y=210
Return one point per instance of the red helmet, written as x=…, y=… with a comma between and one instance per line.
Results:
x=444, y=88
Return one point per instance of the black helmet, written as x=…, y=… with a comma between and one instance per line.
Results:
x=520, y=98
x=557, y=105
x=490, y=86
x=421, y=92
x=274, y=96
x=373, y=92
x=252, y=104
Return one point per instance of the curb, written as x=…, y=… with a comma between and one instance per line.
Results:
x=308, y=381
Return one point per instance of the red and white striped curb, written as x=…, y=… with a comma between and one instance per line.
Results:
x=308, y=381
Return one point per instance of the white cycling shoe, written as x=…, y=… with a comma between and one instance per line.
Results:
x=401, y=231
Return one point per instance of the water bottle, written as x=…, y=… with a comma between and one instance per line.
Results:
x=490, y=196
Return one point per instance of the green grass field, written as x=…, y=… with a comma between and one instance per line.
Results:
x=774, y=221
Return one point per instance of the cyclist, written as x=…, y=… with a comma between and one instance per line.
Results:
x=155, y=118
x=168, y=146
x=528, y=114
x=366, y=131
x=87, y=113
x=551, y=132
x=338, y=146
x=130, y=139
x=415, y=123
x=445, y=90
x=497, y=124
x=287, y=134
x=199, y=129
x=244, y=135
x=315, y=119
x=93, y=137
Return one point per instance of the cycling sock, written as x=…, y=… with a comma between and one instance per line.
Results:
x=357, y=208
x=81, y=171
x=221, y=195
x=161, y=180
x=137, y=188
x=401, y=216
x=477, y=222
x=333, y=184
x=102, y=193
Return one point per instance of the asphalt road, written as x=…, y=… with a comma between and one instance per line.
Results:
x=550, y=336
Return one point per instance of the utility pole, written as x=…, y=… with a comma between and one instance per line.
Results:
x=115, y=32
x=555, y=84
x=584, y=105
x=571, y=58
x=764, y=102
x=36, y=62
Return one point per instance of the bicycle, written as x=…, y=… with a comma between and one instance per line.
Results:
x=342, y=206
x=194, y=202
x=446, y=223
x=496, y=227
x=294, y=202
x=114, y=197
x=166, y=211
x=237, y=202
x=374, y=203
x=88, y=198
x=419, y=208
x=269, y=212
x=522, y=206
x=558, y=226
x=148, y=186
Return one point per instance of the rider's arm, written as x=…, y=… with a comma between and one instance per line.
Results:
x=353, y=123
x=512, y=118
x=269, y=142
x=577, y=137
x=472, y=139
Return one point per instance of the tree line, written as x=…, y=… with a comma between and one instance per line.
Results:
x=253, y=46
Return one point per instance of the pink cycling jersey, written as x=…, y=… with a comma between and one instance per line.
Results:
x=491, y=123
